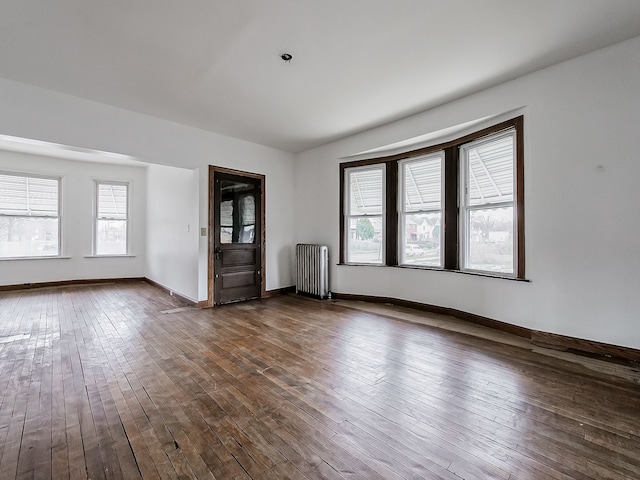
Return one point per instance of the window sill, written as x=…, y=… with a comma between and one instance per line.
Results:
x=361, y=265
x=438, y=269
x=111, y=256
x=50, y=257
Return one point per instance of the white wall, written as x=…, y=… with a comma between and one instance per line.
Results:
x=582, y=167
x=172, y=228
x=77, y=225
x=279, y=201
x=35, y=113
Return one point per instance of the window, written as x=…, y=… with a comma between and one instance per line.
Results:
x=111, y=221
x=237, y=212
x=29, y=216
x=363, y=214
x=457, y=206
x=487, y=204
x=421, y=211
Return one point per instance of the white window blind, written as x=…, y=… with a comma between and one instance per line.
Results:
x=490, y=167
x=366, y=191
x=423, y=184
x=28, y=196
x=112, y=201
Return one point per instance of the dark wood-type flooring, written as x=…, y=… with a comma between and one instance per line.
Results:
x=124, y=381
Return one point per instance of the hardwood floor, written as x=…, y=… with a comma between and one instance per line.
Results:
x=123, y=381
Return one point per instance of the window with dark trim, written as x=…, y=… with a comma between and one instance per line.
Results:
x=457, y=206
x=420, y=210
x=364, y=214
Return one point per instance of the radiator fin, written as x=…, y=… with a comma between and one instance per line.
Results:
x=312, y=270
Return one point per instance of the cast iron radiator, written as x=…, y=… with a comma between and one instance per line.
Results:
x=312, y=267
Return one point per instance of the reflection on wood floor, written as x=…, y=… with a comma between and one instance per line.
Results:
x=124, y=381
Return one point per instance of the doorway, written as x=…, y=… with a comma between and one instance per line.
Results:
x=236, y=236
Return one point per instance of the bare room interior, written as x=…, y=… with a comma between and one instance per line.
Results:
x=357, y=239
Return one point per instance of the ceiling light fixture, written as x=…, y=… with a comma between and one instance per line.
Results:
x=287, y=57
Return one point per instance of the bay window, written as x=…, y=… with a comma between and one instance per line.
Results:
x=455, y=206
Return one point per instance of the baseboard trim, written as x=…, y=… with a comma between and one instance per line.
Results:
x=171, y=292
x=425, y=307
x=68, y=283
x=266, y=294
x=579, y=345
x=278, y=291
x=542, y=339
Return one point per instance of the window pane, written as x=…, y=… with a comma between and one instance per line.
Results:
x=423, y=184
x=43, y=196
x=226, y=221
x=248, y=210
x=28, y=237
x=112, y=201
x=247, y=219
x=490, y=234
x=422, y=234
x=364, y=241
x=489, y=170
x=111, y=237
x=21, y=195
x=365, y=191
x=237, y=212
x=247, y=234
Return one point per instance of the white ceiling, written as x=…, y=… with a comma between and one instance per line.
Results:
x=357, y=64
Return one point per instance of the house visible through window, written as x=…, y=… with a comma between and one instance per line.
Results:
x=421, y=210
x=111, y=221
x=29, y=216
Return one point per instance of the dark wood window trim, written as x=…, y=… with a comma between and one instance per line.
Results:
x=391, y=220
x=451, y=221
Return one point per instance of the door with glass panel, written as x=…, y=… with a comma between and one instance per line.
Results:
x=237, y=238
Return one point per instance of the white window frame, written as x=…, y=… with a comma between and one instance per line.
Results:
x=348, y=217
x=58, y=179
x=466, y=209
x=402, y=213
x=96, y=218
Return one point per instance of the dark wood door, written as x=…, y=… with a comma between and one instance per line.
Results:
x=237, y=238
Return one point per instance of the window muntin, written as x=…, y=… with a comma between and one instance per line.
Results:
x=421, y=210
x=364, y=214
x=488, y=213
x=29, y=216
x=112, y=218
